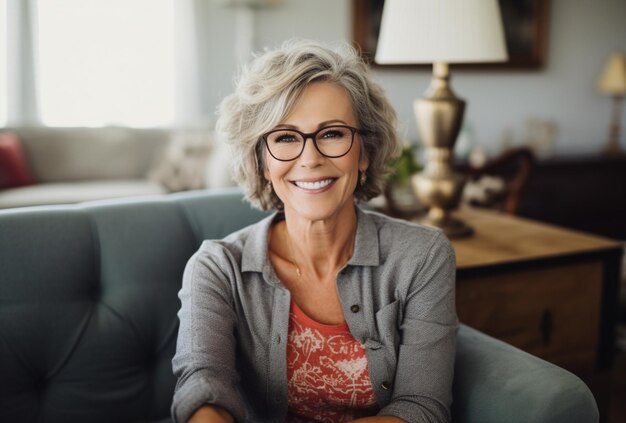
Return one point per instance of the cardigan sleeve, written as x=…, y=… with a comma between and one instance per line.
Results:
x=422, y=388
x=204, y=363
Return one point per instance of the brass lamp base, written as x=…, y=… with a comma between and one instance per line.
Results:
x=451, y=226
x=439, y=116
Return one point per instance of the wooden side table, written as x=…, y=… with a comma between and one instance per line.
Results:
x=550, y=291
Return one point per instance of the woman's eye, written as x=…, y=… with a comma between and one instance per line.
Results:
x=285, y=138
x=333, y=133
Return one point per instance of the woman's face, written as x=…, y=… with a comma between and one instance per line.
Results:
x=313, y=186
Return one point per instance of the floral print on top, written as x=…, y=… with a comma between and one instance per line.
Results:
x=327, y=373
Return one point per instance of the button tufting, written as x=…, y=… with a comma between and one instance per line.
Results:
x=355, y=308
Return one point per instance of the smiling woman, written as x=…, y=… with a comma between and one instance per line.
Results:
x=321, y=311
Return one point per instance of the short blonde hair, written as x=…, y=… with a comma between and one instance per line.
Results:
x=265, y=93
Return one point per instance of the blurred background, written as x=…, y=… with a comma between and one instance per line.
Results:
x=160, y=62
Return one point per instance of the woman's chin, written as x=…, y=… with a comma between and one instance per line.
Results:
x=316, y=211
x=311, y=213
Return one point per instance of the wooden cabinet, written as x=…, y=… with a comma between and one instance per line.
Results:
x=547, y=290
x=551, y=312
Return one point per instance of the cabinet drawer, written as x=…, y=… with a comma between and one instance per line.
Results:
x=552, y=312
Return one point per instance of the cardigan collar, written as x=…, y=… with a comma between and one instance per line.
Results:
x=255, y=257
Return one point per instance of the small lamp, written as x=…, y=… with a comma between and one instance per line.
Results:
x=440, y=32
x=613, y=82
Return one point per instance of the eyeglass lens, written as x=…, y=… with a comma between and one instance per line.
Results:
x=287, y=144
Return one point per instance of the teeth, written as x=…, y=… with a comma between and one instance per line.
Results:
x=313, y=185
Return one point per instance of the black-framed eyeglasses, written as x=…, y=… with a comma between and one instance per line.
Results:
x=331, y=141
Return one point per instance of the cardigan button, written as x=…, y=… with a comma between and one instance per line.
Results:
x=355, y=308
x=385, y=386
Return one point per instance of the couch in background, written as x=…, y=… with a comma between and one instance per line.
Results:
x=70, y=165
x=88, y=318
x=51, y=165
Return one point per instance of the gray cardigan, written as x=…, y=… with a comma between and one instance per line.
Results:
x=397, y=293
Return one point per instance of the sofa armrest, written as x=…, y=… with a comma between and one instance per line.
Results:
x=496, y=382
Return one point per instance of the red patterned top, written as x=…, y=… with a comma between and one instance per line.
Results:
x=327, y=373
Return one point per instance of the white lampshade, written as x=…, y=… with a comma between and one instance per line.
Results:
x=451, y=31
x=613, y=78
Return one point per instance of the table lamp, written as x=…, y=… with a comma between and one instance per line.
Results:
x=440, y=32
x=613, y=82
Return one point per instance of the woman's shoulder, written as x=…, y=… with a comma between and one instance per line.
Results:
x=403, y=237
x=245, y=241
x=402, y=228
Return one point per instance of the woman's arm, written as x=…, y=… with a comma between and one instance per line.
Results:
x=422, y=389
x=211, y=414
x=204, y=363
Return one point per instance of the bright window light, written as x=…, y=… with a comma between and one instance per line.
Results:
x=3, y=63
x=105, y=62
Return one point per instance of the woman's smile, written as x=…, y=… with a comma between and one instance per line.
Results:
x=318, y=185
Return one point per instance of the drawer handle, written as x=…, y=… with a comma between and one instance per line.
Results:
x=546, y=326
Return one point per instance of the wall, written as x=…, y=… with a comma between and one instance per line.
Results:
x=324, y=20
x=581, y=36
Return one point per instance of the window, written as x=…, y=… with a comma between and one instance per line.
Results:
x=3, y=63
x=105, y=62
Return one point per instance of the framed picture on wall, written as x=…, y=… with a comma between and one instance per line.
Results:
x=525, y=27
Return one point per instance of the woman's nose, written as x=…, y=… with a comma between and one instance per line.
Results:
x=310, y=155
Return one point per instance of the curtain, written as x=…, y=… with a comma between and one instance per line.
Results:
x=188, y=41
x=21, y=52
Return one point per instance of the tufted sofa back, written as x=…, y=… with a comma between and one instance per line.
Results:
x=88, y=303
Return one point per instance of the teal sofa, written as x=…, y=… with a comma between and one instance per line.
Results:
x=88, y=325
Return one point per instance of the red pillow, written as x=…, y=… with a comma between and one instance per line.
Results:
x=14, y=170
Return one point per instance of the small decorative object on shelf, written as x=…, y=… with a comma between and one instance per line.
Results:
x=613, y=82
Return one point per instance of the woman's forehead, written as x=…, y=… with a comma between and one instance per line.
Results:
x=321, y=102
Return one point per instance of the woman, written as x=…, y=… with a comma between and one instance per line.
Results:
x=320, y=312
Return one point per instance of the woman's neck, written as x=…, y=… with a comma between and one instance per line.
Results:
x=320, y=248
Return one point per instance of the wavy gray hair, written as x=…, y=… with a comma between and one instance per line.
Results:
x=265, y=93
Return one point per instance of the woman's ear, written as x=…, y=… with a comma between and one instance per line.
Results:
x=364, y=164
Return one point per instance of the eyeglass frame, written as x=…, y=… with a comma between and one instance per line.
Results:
x=313, y=136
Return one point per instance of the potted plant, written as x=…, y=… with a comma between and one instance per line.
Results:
x=399, y=194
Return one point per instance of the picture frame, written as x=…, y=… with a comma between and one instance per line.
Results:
x=525, y=26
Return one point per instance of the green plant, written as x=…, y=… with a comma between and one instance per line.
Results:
x=404, y=166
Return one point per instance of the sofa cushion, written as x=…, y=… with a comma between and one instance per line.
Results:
x=14, y=171
x=91, y=328
x=78, y=154
x=88, y=304
x=76, y=192
x=183, y=164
